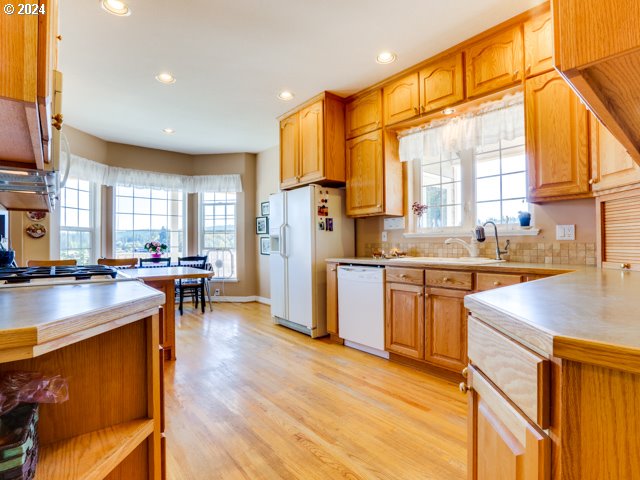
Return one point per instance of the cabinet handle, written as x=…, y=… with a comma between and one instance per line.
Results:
x=625, y=266
x=416, y=110
x=465, y=372
x=495, y=284
x=464, y=388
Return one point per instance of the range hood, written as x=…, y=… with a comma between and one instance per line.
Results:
x=24, y=189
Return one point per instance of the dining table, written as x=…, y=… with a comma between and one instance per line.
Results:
x=163, y=279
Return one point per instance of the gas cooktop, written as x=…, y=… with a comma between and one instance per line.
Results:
x=77, y=272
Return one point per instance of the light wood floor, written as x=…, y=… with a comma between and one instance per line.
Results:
x=247, y=399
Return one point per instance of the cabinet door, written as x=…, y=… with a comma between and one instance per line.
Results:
x=611, y=165
x=404, y=322
x=401, y=99
x=538, y=45
x=289, y=151
x=364, y=114
x=503, y=445
x=441, y=83
x=365, y=175
x=494, y=63
x=332, y=298
x=446, y=329
x=557, y=139
x=311, y=143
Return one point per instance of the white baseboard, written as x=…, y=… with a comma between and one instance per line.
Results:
x=266, y=301
x=250, y=298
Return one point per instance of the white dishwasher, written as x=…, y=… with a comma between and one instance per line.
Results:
x=361, y=308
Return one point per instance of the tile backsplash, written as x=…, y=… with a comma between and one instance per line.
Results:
x=566, y=253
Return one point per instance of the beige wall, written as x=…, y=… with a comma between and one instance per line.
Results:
x=267, y=182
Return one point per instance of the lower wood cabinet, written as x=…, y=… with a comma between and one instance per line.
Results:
x=404, y=320
x=446, y=328
x=502, y=443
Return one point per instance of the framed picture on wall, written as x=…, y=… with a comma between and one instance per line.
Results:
x=262, y=225
x=265, y=246
x=264, y=209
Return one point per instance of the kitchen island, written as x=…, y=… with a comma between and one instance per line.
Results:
x=103, y=337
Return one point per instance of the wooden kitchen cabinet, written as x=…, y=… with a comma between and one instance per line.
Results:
x=404, y=320
x=611, y=165
x=312, y=143
x=442, y=83
x=332, y=299
x=364, y=114
x=374, y=175
x=538, y=45
x=446, y=328
x=495, y=62
x=503, y=444
x=557, y=140
x=401, y=99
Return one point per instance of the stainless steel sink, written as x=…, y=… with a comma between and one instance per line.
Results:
x=449, y=261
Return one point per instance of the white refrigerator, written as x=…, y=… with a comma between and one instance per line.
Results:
x=306, y=226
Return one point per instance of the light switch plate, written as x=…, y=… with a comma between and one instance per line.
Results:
x=565, y=232
x=394, y=223
x=384, y=236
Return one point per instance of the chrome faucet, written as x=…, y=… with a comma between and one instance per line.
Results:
x=471, y=247
x=481, y=238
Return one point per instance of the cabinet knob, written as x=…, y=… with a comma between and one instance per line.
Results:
x=58, y=118
x=531, y=189
x=593, y=181
x=465, y=372
x=422, y=108
x=515, y=74
x=445, y=279
x=416, y=110
x=59, y=37
x=496, y=284
x=403, y=275
x=528, y=69
x=333, y=269
x=420, y=294
x=464, y=388
x=625, y=266
x=378, y=206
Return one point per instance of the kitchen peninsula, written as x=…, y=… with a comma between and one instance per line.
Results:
x=91, y=333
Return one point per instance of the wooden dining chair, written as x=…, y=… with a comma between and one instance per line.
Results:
x=119, y=262
x=155, y=262
x=194, y=287
x=51, y=263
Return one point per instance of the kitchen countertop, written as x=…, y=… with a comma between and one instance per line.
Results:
x=34, y=317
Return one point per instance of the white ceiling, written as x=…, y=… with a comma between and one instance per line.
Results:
x=231, y=58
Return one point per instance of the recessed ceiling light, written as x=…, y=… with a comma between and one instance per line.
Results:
x=168, y=131
x=166, y=77
x=285, y=95
x=386, y=57
x=116, y=7
x=449, y=111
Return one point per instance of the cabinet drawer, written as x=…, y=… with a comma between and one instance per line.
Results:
x=414, y=276
x=522, y=375
x=448, y=279
x=488, y=281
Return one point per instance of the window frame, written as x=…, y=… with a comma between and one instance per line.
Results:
x=184, y=213
x=201, y=234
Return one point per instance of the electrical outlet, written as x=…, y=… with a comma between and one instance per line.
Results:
x=565, y=232
x=216, y=292
x=384, y=236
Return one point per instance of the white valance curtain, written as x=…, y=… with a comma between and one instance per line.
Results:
x=495, y=121
x=101, y=174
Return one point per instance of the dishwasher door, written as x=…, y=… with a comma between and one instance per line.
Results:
x=361, y=308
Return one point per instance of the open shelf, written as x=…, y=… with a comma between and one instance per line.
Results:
x=94, y=455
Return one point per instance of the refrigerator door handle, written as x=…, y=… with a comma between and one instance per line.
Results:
x=281, y=242
x=285, y=231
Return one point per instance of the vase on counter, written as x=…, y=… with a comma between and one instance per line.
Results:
x=524, y=218
x=156, y=255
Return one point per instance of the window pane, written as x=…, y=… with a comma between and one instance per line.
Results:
x=514, y=185
x=84, y=220
x=218, y=238
x=514, y=160
x=488, y=211
x=488, y=189
x=510, y=209
x=487, y=165
x=124, y=204
x=141, y=205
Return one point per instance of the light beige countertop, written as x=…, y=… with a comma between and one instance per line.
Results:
x=164, y=273
x=36, y=319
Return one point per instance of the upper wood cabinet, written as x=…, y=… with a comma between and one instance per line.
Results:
x=446, y=328
x=503, y=444
x=374, y=175
x=404, y=320
x=312, y=147
x=364, y=114
x=611, y=165
x=495, y=62
x=618, y=224
x=557, y=140
x=28, y=51
x=597, y=48
x=441, y=83
x=538, y=45
x=401, y=99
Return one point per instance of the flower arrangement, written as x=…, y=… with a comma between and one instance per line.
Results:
x=419, y=208
x=155, y=247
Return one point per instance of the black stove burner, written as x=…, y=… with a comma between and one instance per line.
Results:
x=79, y=272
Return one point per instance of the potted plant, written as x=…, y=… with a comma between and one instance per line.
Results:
x=155, y=248
x=7, y=255
x=524, y=218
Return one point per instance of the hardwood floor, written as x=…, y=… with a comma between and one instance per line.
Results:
x=247, y=399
